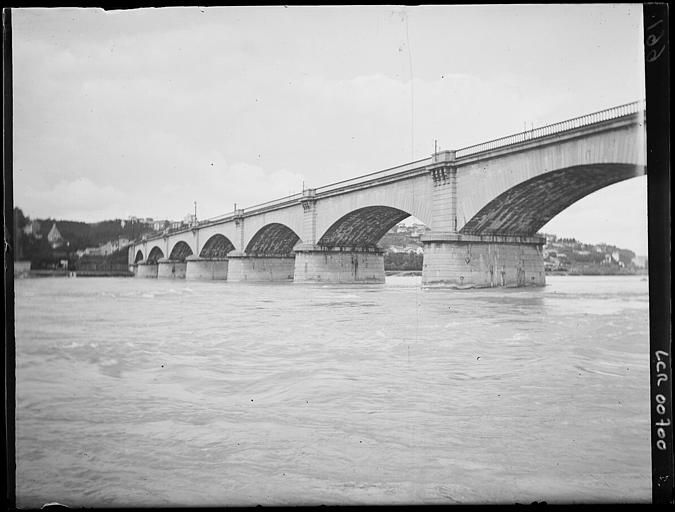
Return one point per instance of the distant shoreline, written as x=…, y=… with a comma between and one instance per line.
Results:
x=72, y=273
x=397, y=273
x=596, y=272
x=403, y=273
x=406, y=273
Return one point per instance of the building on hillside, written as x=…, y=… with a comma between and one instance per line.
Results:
x=159, y=225
x=190, y=219
x=418, y=230
x=613, y=259
x=105, y=249
x=92, y=251
x=33, y=229
x=54, y=237
x=114, y=246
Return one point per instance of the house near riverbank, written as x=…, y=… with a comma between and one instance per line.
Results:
x=105, y=249
x=54, y=237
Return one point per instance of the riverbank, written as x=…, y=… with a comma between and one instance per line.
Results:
x=398, y=273
x=403, y=273
x=572, y=272
x=73, y=273
x=597, y=271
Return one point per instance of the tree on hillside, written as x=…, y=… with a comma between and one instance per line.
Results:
x=626, y=256
x=402, y=261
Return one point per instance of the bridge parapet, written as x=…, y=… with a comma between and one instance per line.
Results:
x=610, y=114
x=383, y=176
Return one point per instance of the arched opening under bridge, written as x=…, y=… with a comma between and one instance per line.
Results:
x=180, y=251
x=348, y=251
x=216, y=247
x=525, y=208
x=273, y=240
x=362, y=228
x=155, y=255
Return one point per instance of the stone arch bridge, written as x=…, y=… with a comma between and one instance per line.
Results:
x=483, y=203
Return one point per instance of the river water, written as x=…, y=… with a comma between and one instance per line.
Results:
x=149, y=392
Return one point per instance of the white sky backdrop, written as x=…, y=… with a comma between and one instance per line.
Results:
x=143, y=112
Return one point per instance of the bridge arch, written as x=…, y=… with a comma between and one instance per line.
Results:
x=362, y=228
x=526, y=207
x=180, y=251
x=155, y=254
x=273, y=239
x=216, y=247
x=553, y=171
x=139, y=256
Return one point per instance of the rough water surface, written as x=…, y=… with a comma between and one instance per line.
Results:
x=136, y=392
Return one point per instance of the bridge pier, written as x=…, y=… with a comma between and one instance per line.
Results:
x=457, y=260
x=144, y=269
x=171, y=269
x=340, y=265
x=205, y=269
x=244, y=267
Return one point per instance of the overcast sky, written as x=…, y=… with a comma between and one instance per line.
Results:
x=142, y=112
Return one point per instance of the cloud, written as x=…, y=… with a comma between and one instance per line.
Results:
x=76, y=200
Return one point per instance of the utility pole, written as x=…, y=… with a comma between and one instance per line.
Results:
x=195, y=219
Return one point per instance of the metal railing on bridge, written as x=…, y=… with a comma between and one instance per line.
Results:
x=252, y=209
x=384, y=173
x=391, y=171
x=553, y=129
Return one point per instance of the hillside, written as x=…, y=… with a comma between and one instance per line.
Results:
x=32, y=239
